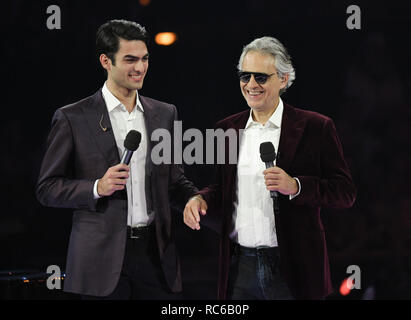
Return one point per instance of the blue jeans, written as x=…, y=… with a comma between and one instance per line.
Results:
x=255, y=275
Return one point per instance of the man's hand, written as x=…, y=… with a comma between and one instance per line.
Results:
x=195, y=205
x=276, y=179
x=114, y=179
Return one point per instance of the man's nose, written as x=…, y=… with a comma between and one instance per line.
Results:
x=252, y=83
x=139, y=66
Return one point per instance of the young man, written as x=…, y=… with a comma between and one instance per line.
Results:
x=121, y=244
x=265, y=255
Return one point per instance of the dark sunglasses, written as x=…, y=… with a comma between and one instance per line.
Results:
x=259, y=77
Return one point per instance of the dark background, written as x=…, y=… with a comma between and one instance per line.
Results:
x=359, y=78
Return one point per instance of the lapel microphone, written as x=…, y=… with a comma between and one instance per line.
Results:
x=101, y=124
x=131, y=144
x=267, y=154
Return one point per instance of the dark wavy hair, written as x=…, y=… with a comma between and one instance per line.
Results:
x=109, y=34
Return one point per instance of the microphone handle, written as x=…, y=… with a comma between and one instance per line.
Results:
x=270, y=164
x=127, y=154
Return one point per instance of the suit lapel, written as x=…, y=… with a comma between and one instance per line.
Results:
x=152, y=122
x=292, y=129
x=98, y=120
x=239, y=124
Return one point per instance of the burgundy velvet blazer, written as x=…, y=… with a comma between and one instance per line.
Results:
x=310, y=150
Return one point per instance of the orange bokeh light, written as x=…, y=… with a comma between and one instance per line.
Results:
x=165, y=38
x=144, y=2
x=346, y=286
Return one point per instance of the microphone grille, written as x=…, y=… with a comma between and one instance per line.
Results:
x=267, y=152
x=132, y=140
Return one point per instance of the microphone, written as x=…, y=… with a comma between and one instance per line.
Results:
x=131, y=144
x=267, y=154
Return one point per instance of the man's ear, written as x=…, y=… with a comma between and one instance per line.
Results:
x=284, y=80
x=105, y=62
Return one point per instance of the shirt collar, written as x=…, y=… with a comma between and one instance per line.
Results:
x=112, y=102
x=275, y=119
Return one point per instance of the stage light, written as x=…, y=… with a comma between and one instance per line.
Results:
x=25, y=280
x=346, y=286
x=144, y=3
x=165, y=38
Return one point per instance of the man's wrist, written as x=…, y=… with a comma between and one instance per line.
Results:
x=95, y=190
x=298, y=188
x=197, y=196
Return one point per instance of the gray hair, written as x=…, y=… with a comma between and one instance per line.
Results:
x=282, y=60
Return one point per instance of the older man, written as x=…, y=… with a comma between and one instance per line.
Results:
x=266, y=255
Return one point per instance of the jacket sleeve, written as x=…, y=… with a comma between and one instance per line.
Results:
x=56, y=185
x=334, y=188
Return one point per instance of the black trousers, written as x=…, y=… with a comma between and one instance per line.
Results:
x=142, y=277
x=255, y=275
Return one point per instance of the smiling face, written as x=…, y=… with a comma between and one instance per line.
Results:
x=130, y=68
x=262, y=98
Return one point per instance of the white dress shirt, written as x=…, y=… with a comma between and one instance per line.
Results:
x=253, y=216
x=122, y=122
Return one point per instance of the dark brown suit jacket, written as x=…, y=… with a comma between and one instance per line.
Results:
x=79, y=152
x=310, y=150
